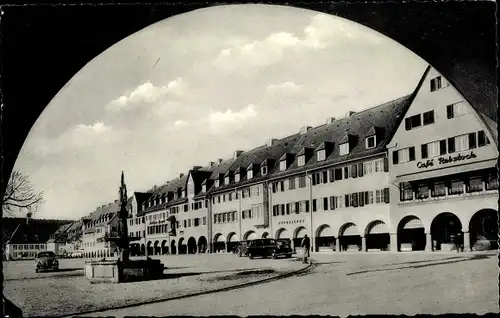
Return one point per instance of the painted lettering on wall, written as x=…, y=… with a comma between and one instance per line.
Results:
x=446, y=160
x=290, y=222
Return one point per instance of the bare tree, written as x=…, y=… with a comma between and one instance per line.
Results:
x=21, y=195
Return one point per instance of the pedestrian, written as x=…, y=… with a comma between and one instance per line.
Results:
x=306, y=245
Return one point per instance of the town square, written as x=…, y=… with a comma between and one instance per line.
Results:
x=296, y=162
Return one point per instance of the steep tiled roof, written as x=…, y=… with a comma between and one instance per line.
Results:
x=163, y=190
x=257, y=156
x=36, y=231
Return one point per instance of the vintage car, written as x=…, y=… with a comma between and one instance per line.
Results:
x=46, y=260
x=284, y=247
x=268, y=248
x=242, y=248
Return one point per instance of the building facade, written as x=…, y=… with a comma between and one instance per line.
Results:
x=100, y=225
x=443, y=173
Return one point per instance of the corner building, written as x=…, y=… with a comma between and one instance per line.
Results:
x=443, y=172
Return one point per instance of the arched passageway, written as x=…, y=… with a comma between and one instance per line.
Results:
x=157, y=250
x=298, y=236
x=265, y=235
x=232, y=242
x=219, y=243
x=250, y=235
x=202, y=244
x=325, y=238
x=173, y=247
x=446, y=231
x=282, y=234
x=150, y=248
x=411, y=234
x=483, y=230
x=182, y=247
x=349, y=238
x=164, y=247
x=191, y=245
x=377, y=236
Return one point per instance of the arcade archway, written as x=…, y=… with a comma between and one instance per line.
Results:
x=157, y=250
x=377, y=236
x=191, y=245
x=164, y=247
x=232, y=242
x=411, y=234
x=219, y=243
x=446, y=231
x=182, y=247
x=265, y=235
x=202, y=244
x=250, y=235
x=173, y=247
x=349, y=238
x=483, y=230
x=150, y=248
x=325, y=238
x=298, y=235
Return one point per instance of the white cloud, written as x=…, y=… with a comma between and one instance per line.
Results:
x=322, y=31
x=148, y=93
x=223, y=121
x=179, y=124
x=283, y=88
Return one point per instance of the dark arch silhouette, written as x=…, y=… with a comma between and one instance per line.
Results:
x=377, y=236
x=446, y=230
x=411, y=234
x=483, y=230
x=173, y=247
x=164, y=247
x=325, y=241
x=182, y=247
x=202, y=244
x=191, y=245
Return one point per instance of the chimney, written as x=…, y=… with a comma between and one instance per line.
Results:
x=237, y=153
x=211, y=164
x=181, y=175
x=219, y=161
x=197, y=168
x=349, y=114
x=28, y=217
x=305, y=129
x=330, y=120
x=271, y=141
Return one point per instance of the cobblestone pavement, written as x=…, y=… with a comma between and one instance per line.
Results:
x=67, y=292
x=356, y=284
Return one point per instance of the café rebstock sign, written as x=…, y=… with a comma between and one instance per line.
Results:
x=446, y=160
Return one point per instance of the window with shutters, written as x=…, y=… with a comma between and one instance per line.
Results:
x=404, y=155
x=482, y=139
x=321, y=155
x=347, y=172
x=332, y=203
x=282, y=186
x=354, y=171
x=379, y=196
x=302, y=182
x=368, y=167
x=302, y=206
x=428, y=117
x=378, y=165
x=294, y=207
x=430, y=150
x=457, y=109
x=289, y=208
x=354, y=200
x=314, y=205
x=370, y=142
x=331, y=175
x=301, y=161
x=344, y=149
x=338, y=174
x=325, y=204
x=325, y=176
x=291, y=183
x=282, y=165
x=340, y=201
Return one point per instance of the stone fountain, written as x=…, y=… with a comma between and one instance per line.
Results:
x=123, y=269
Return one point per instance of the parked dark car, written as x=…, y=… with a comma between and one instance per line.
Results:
x=242, y=248
x=284, y=247
x=46, y=260
x=267, y=248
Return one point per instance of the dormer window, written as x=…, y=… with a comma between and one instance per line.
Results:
x=263, y=170
x=237, y=177
x=184, y=193
x=249, y=174
x=226, y=180
x=204, y=188
x=282, y=165
x=344, y=149
x=217, y=183
x=301, y=161
x=321, y=155
x=371, y=141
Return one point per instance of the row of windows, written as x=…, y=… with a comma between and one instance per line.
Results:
x=442, y=147
x=100, y=220
x=247, y=192
x=137, y=234
x=163, y=199
x=28, y=247
x=226, y=217
x=352, y=171
x=23, y=254
x=136, y=221
x=358, y=199
x=416, y=121
x=440, y=188
x=199, y=205
x=254, y=212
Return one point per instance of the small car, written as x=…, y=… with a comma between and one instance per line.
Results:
x=266, y=248
x=284, y=247
x=46, y=260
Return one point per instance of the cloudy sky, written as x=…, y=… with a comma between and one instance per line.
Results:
x=194, y=88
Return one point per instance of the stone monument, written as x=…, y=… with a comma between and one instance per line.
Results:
x=123, y=269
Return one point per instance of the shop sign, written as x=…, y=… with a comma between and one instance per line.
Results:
x=291, y=222
x=445, y=160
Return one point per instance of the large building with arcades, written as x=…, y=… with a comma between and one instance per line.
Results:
x=415, y=173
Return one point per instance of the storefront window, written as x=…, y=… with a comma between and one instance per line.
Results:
x=457, y=187
x=475, y=184
x=492, y=183
x=423, y=191
x=406, y=192
x=439, y=189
